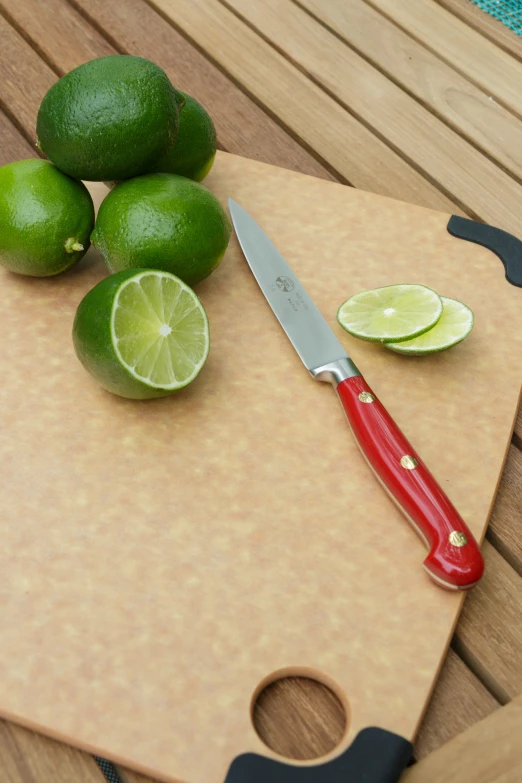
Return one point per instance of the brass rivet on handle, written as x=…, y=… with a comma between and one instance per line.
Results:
x=457, y=538
x=366, y=397
x=409, y=462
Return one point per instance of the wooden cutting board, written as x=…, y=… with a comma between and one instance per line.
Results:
x=161, y=561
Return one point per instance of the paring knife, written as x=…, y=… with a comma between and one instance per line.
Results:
x=454, y=560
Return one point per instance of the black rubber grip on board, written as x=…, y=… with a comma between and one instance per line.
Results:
x=375, y=756
x=506, y=246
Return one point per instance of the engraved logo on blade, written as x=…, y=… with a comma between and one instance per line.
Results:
x=284, y=283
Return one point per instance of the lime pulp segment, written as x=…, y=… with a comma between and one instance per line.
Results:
x=455, y=323
x=391, y=314
x=159, y=330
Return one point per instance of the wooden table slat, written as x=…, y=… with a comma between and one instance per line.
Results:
x=20, y=66
x=315, y=118
x=57, y=32
x=28, y=757
x=505, y=527
x=489, y=633
x=460, y=169
x=485, y=24
x=365, y=162
x=428, y=78
x=457, y=695
x=14, y=146
x=493, y=69
x=488, y=752
x=240, y=123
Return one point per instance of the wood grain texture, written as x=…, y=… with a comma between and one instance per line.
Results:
x=56, y=30
x=487, y=25
x=459, y=700
x=428, y=78
x=13, y=145
x=66, y=39
x=302, y=106
x=313, y=716
x=489, y=752
x=24, y=78
x=27, y=757
x=493, y=69
x=489, y=633
x=505, y=527
x=458, y=168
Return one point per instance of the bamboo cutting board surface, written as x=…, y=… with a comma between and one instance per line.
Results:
x=164, y=560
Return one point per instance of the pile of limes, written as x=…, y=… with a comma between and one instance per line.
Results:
x=142, y=332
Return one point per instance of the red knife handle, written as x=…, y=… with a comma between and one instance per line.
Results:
x=454, y=560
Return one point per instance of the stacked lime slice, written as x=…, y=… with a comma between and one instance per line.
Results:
x=455, y=323
x=408, y=319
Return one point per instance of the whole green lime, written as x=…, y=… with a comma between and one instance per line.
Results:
x=141, y=333
x=110, y=118
x=162, y=221
x=194, y=150
x=46, y=218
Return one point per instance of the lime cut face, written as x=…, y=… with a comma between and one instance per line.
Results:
x=455, y=323
x=159, y=330
x=391, y=314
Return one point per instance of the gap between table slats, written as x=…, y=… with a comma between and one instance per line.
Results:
x=485, y=24
x=466, y=50
x=431, y=81
x=316, y=118
x=235, y=116
x=456, y=167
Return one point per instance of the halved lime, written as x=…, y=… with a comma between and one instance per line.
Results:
x=391, y=314
x=455, y=323
x=141, y=333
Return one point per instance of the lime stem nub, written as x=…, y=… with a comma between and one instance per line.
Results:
x=72, y=245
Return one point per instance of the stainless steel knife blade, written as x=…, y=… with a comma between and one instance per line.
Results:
x=306, y=328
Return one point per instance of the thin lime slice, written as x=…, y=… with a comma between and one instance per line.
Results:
x=159, y=330
x=391, y=314
x=455, y=323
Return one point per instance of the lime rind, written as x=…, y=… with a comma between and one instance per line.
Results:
x=454, y=325
x=394, y=313
x=159, y=330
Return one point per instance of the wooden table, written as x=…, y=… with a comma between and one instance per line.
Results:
x=421, y=101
